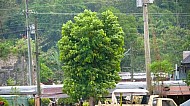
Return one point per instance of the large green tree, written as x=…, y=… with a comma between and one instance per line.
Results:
x=91, y=49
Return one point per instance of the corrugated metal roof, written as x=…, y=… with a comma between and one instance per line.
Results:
x=130, y=92
x=175, y=90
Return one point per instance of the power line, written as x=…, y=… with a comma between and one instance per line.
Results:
x=8, y=9
x=50, y=24
x=74, y=13
x=174, y=2
x=62, y=5
x=12, y=32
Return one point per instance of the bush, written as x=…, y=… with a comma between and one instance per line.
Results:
x=86, y=104
x=65, y=101
x=5, y=101
x=10, y=82
x=31, y=102
x=44, y=101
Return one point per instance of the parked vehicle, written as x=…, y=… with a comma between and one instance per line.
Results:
x=137, y=97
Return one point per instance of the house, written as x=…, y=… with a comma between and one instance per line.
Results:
x=184, y=68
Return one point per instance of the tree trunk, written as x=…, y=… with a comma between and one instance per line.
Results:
x=91, y=101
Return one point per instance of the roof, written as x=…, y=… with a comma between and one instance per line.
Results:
x=176, y=90
x=130, y=91
x=131, y=85
x=18, y=90
x=47, y=91
x=137, y=85
x=186, y=60
x=53, y=91
x=136, y=76
x=54, y=96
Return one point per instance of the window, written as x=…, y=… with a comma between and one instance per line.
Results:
x=167, y=103
x=154, y=102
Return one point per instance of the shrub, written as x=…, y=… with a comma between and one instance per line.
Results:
x=5, y=101
x=10, y=82
x=31, y=101
x=65, y=101
x=86, y=104
x=44, y=101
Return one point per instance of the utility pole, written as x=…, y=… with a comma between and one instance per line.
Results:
x=144, y=4
x=29, y=46
x=132, y=63
x=147, y=46
x=37, y=64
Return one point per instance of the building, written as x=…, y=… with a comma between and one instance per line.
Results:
x=184, y=68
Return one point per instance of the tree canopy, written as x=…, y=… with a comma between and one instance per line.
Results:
x=91, y=49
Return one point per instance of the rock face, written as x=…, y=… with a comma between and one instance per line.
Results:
x=13, y=68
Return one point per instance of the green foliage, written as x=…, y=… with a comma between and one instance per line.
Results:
x=129, y=26
x=187, y=81
x=44, y=101
x=15, y=23
x=186, y=44
x=161, y=66
x=5, y=101
x=86, y=103
x=171, y=50
x=31, y=102
x=160, y=69
x=5, y=49
x=10, y=82
x=51, y=59
x=91, y=49
x=21, y=47
x=46, y=73
x=66, y=100
x=15, y=90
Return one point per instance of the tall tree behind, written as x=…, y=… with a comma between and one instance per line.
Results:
x=91, y=49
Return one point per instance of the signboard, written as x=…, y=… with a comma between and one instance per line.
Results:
x=150, y=1
x=140, y=2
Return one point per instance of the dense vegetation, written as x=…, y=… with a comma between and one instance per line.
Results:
x=169, y=26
